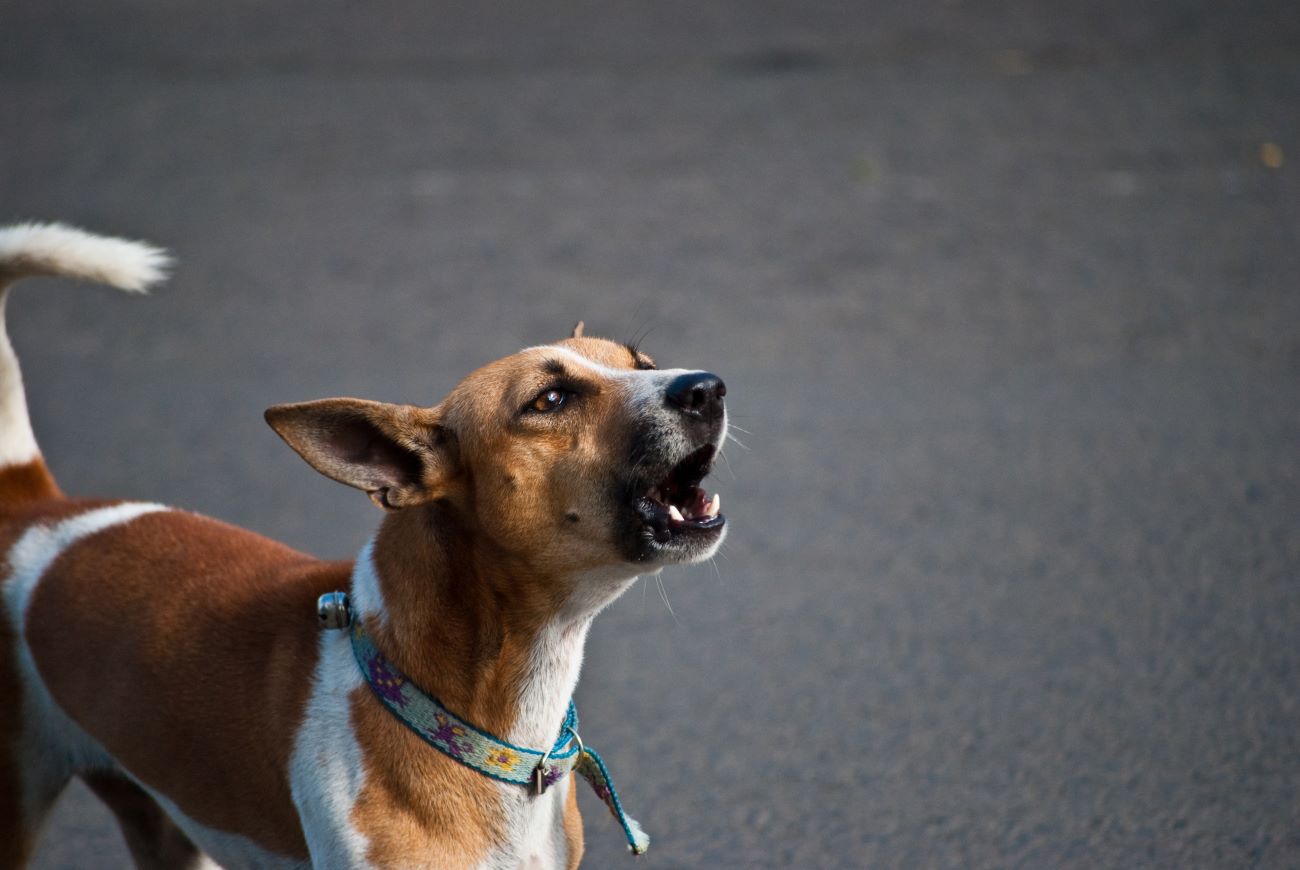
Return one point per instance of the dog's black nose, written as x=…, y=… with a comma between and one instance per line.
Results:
x=698, y=394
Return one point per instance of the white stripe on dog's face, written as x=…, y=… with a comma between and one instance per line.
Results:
x=645, y=384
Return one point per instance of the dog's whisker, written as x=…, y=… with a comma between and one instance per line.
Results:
x=638, y=315
x=727, y=462
x=663, y=593
x=741, y=444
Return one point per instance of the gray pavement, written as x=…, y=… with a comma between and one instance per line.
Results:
x=1005, y=296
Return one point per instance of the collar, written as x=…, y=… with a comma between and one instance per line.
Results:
x=475, y=748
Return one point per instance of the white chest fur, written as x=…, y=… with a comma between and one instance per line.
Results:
x=534, y=829
x=326, y=772
x=534, y=825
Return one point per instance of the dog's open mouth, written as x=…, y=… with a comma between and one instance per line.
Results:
x=677, y=504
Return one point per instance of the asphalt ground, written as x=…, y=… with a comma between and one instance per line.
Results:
x=1005, y=296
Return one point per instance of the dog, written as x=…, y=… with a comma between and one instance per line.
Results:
x=237, y=703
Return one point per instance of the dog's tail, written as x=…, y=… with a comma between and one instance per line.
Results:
x=57, y=251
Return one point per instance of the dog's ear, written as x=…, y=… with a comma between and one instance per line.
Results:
x=577, y=329
x=398, y=454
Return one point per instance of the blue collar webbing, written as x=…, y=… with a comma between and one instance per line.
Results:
x=483, y=752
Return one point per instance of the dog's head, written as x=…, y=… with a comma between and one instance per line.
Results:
x=575, y=456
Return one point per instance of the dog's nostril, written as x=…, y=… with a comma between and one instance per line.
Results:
x=697, y=393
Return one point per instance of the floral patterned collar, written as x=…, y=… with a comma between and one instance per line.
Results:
x=481, y=751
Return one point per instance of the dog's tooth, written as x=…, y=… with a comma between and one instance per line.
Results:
x=675, y=513
x=715, y=506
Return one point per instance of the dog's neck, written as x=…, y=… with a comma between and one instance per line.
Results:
x=488, y=636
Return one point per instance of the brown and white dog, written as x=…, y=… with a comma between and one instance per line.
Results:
x=175, y=664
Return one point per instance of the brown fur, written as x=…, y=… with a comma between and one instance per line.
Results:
x=573, y=825
x=222, y=634
x=28, y=482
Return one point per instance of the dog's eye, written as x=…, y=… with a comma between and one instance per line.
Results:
x=548, y=400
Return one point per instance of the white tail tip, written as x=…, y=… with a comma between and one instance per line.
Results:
x=58, y=250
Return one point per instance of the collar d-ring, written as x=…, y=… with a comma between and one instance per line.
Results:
x=539, y=772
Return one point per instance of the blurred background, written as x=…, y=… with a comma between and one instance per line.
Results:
x=1005, y=296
